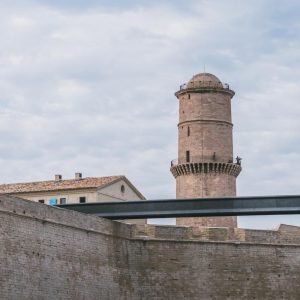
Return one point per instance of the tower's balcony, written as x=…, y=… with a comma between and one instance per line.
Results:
x=204, y=158
x=204, y=84
x=205, y=164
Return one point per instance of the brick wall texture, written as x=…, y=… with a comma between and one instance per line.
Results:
x=51, y=253
x=208, y=115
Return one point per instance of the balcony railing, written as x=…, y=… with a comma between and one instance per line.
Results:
x=205, y=158
x=204, y=84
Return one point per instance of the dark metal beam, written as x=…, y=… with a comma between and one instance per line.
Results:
x=202, y=207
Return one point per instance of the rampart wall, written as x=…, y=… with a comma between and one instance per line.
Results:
x=51, y=253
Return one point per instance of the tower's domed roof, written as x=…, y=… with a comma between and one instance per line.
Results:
x=204, y=80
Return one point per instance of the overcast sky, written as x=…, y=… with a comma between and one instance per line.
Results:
x=88, y=86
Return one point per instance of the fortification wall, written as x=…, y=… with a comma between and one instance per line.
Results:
x=51, y=253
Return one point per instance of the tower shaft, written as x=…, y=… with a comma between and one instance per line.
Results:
x=205, y=166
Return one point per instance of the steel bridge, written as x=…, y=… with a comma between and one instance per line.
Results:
x=196, y=207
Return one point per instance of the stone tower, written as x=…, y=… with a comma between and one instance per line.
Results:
x=205, y=165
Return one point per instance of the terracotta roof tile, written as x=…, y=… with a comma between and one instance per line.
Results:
x=53, y=185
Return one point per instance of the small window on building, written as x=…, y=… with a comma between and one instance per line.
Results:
x=82, y=199
x=188, y=131
x=42, y=201
x=187, y=156
x=189, y=96
x=62, y=201
x=122, y=188
x=53, y=201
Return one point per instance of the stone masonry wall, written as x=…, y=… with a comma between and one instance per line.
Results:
x=208, y=115
x=205, y=185
x=51, y=253
x=208, y=185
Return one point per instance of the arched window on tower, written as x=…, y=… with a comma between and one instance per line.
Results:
x=189, y=96
x=188, y=131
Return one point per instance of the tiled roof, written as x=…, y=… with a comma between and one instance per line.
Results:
x=57, y=185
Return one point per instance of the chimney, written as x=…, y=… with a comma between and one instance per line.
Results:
x=58, y=177
x=78, y=175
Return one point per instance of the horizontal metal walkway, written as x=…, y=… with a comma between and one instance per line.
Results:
x=199, y=207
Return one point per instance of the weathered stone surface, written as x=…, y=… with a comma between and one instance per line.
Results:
x=51, y=253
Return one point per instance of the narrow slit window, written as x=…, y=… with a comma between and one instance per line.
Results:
x=188, y=131
x=189, y=96
x=187, y=156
